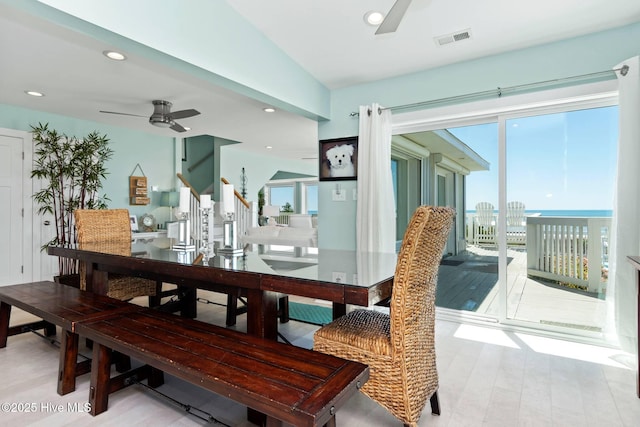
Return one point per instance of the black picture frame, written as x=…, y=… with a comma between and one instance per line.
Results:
x=347, y=168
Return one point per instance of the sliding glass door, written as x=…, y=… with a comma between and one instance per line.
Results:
x=535, y=189
x=560, y=172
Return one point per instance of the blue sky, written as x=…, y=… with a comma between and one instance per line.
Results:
x=554, y=161
x=282, y=195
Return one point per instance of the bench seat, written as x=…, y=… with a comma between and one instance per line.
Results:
x=287, y=383
x=59, y=305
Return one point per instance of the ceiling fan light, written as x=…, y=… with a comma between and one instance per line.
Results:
x=161, y=121
x=373, y=18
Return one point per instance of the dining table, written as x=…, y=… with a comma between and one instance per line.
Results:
x=263, y=273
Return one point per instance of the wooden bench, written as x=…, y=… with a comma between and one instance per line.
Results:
x=63, y=306
x=286, y=383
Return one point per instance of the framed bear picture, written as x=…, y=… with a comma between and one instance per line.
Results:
x=338, y=159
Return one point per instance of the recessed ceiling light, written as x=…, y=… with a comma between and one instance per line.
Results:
x=269, y=110
x=34, y=93
x=268, y=147
x=373, y=18
x=112, y=54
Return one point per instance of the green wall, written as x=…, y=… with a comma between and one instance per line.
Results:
x=206, y=38
x=259, y=168
x=214, y=43
x=592, y=53
x=154, y=153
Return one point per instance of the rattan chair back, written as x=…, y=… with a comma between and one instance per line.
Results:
x=109, y=231
x=400, y=348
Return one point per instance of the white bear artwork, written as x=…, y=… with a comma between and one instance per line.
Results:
x=340, y=163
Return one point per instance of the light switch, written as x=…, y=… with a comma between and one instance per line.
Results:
x=339, y=195
x=339, y=277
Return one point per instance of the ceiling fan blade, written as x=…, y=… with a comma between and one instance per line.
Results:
x=394, y=17
x=177, y=127
x=121, y=114
x=183, y=114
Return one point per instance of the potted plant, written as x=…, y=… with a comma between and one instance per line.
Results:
x=71, y=171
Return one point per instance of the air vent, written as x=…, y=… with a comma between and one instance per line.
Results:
x=453, y=37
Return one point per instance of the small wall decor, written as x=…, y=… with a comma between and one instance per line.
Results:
x=138, y=190
x=338, y=159
x=134, y=222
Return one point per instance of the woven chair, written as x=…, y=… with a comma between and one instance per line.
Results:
x=109, y=231
x=399, y=347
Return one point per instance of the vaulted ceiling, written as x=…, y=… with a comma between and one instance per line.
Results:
x=327, y=38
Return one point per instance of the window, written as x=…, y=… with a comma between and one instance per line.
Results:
x=557, y=158
x=283, y=196
x=310, y=199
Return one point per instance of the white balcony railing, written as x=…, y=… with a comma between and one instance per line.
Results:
x=569, y=250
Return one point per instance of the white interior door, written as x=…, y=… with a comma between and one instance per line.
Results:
x=11, y=210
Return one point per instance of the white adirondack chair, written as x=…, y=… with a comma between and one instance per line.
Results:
x=516, y=224
x=484, y=224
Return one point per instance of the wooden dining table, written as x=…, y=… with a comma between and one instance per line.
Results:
x=262, y=273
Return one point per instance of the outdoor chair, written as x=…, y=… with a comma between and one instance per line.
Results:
x=109, y=231
x=484, y=224
x=516, y=224
x=399, y=347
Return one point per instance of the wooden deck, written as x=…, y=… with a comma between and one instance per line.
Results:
x=469, y=282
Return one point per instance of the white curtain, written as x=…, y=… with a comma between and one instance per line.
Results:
x=621, y=290
x=376, y=212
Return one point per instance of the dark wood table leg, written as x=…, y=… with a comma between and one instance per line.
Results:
x=232, y=308
x=97, y=281
x=339, y=310
x=262, y=321
x=188, y=302
x=262, y=314
x=68, y=362
x=100, y=377
x=5, y=315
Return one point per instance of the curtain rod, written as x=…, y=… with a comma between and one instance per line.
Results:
x=500, y=91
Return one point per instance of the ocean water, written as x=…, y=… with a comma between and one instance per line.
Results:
x=599, y=213
x=573, y=213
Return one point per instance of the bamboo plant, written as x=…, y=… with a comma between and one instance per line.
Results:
x=71, y=171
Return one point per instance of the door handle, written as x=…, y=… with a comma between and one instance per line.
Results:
x=47, y=222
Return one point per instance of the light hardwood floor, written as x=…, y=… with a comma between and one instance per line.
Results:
x=487, y=378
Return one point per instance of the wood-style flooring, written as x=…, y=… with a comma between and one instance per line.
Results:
x=488, y=377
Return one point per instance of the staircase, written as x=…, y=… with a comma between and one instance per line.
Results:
x=246, y=214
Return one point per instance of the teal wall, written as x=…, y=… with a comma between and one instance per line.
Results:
x=154, y=153
x=206, y=38
x=592, y=53
x=211, y=41
x=259, y=168
x=577, y=56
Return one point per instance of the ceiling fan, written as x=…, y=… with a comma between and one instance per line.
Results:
x=394, y=17
x=162, y=115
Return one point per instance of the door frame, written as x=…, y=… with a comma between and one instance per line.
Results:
x=29, y=234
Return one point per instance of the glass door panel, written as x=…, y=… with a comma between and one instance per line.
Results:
x=560, y=171
x=468, y=279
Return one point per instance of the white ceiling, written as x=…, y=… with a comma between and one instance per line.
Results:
x=328, y=38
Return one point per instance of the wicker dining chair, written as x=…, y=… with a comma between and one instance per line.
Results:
x=399, y=347
x=109, y=231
